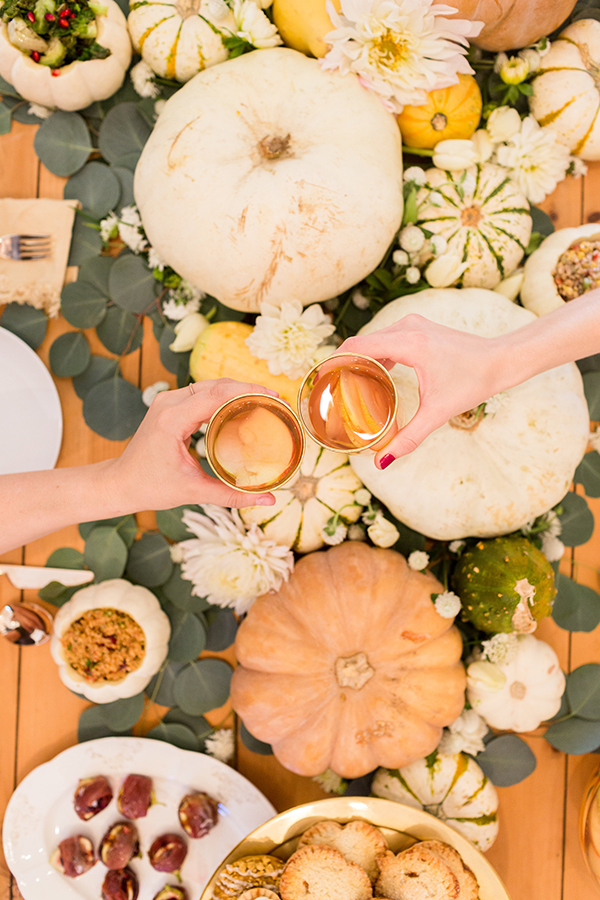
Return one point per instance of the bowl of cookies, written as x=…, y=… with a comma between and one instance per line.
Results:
x=355, y=848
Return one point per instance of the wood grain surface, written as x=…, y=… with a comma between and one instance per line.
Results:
x=537, y=853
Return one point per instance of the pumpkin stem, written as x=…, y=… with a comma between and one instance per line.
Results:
x=305, y=488
x=273, y=147
x=471, y=217
x=439, y=121
x=353, y=671
x=468, y=420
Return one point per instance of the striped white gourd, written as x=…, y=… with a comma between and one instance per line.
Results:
x=178, y=38
x=449, y=786
x=323, y=486
x=566, y=89
x=484, y=217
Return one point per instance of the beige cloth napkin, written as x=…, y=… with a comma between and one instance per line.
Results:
x=38, y=282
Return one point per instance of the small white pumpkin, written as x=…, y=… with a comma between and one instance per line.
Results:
x=520, y=694
x=539, y=291
x=179, y=38
x=449, y=786
x=481, y=476
x=139, y=603
x=566, y=90
x=484, y=217
x=267, y=178
x=324, y=486
x=80, y=83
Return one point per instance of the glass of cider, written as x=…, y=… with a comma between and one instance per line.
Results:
x=349, y=403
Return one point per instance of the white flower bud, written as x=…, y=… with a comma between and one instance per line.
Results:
x=412, y=275
x=418, y=560
x=187, y=331
x=500, y=60
x=415, y=174
x=447, y=604
x=439, y=244
x=360, y=301
x=514, y=70
x=382, y=532
x=483, y=145
x=503, y=124
x=531, y=57
x=152, y=390
x=400, y=257
x=454, y=155
x=435, y=198
x=357, y=533
x=445, y=270
x=217, y=9
x=362, y=496
x=411, y=239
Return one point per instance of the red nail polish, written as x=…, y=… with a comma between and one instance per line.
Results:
x=386, y=460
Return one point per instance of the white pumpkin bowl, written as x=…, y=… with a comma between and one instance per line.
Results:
x=143, y=607
x=516, y=464
x=78, y=84
x=267, y=179
x=538, y=291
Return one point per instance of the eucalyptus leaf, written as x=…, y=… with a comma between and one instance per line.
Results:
x=175, y=733
x=70, y=354
x=96, y=187
x=57, y=593
x=99, y=369
x=564, y=707
x=222, y=629
x=591, y=386
x=587, y=473
x=121, y=715
x=5, y=117
x=409, y=540
x=63, y=143
x=169, y=522
x=583, y=691
x=82, y=305
x=126, y=527
x=6, y=89
x=253, y=744
x=576, y=606
x=202, y=686
x=576, y=519
x=105, y=553
x=92, y=725
x=188, y=636
x=125, y=177
x=86, y=242
x=168, y=358
x=160, y=688
x=541, y=221
x=120, y=331
x=96, y=271
x=179, y=592
x=123, y=134
x=150, y=561
x=589, y=363
x=27, y=323
x=66, y=558
x=506, y=760
x=198, y=724
x=574, y=735
x=132, y=285
x=114, y=408
x=21, y=113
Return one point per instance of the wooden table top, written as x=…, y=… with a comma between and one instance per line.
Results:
x=537, y=853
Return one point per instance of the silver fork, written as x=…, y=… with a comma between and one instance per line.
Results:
x=25, y=246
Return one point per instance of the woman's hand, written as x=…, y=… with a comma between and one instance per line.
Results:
x=156, y=471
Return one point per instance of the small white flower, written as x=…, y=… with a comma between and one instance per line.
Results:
x=360, y=301
x=577, y=167
x=503, y=123
x=527, y=527
x=510, y=287
x=217, y=10
x=454, y=155
x=483, y=145
x=543, y=46
x=532, y=57
x=356, y=532
x=152, y=390
x=187, y=331
x=435, y=198
x=552, y=547
x=445, y=270
x=464, y=735
x=158, y=107
x=447, y=604
x=182, y=301
x=36, y=109
x=330, y=782
x=154, y=260
x=362, y=496
x=336, y=537
x=382, y=532
x=552, y=523
x=131, y=230
x=418, y=560
x=229, y=564
x=220, y=744
x=200, y=446
x=400, y=257
x=142, y=78
x=253, y=25
x=595, y=439
x=412, y=275
x=439, y=244
x=109, y=227
x=415, y=174
x=500, y=61
x=514, y=70
x=537, y=162
x=501, y=648
x=411, y=239
x=495, y=403
x=288, y=337
x=332, y=304
x=177, y=555
x=455, y=546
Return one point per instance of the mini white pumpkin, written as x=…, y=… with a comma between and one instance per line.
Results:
x=179, y=38
x=566, y=91
x=324, y=486
x=78, y=84
x=481, y=476
x=139, y=603
x=520, y=694
x=484, y=217
x=267, y=178
x=449, y=786
x=539, y=292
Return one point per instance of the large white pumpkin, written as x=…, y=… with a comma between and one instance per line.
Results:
x=511, y=466
x=178, y=38
x=566, y=89
x=267, y=179
x=539, y=291
x=78, y=84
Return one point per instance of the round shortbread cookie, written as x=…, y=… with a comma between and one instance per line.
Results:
x=248, y=872
x=416, y=874
x=468, y=884
x=319, y=872
x=357, y=841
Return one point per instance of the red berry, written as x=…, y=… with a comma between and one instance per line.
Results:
x=31, y=17
x=72, y=15
x=35, y=56
x=49, y=17
x=55, y=72
x=64, y=23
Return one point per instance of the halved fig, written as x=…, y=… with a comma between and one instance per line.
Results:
x=167, y=853
x=119, y=845
x=135, y=796
x=92, y=796
x=120, y=884
x=74, y=856
x=198, y=814
x=170, y=892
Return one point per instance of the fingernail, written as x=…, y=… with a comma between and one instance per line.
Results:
x=265, y=500
x=386, y=460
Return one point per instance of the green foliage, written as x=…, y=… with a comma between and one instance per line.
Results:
x=222, y=629
x=57, y=594
x=96, y=187
x=175, y=733
x=63, y=143
x=591, y=386
x=577, y=728
x=99, y=369
x=169, y=522
x=178, y=590
x=576, y=519
x=66, y=558
x=126, y=527
x=5, y=117
x=587, y=474
x=83, y=305
x=253, y=743
x=132, y=285
x=105, y=553
x=541, y=222
x=202, y=686
x=506, y=760
x=86, y=242
x=114, y=408
x=92, y=726
x=120, y=331
x=161, y=687
x=150, y=561
x=123, y=134
x=27, y=323
x=188, y=636
x=121, y=715
x=70, y=354
x=576, y=607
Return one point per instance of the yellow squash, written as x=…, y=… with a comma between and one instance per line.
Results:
x=449, y=114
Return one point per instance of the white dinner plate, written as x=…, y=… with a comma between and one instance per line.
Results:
x=40, y=814
x=30, y=413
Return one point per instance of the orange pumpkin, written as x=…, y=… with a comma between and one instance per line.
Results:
x=450, y=113
x=349, y=666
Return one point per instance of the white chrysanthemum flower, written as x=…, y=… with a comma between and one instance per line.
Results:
x=411, y=239
x=552, y=547
x=447, y=604
x=413, y=275
x=177, y=554
x=330, y=782
x=362, y=496
x=464, y=735
x=42, y=112
x=220, y=744
x=142, y=78
x=595, y=439
x=131, y=230
x=200, y=446
x=418, y=560
x=400, y=257
x=182, y=301
x=455, y=546
x=415, y=174
x=154, y=260
x=382, y=532
x=288, y=337
x=536, y=161
x=439, y=244
x=501, y=648
x=495, y=403
x=217, y=9
x=357, y=532
x=229, y=564
x=335, y=537
x=253, y=25
x=359, y=300
x=402, y=49
x=109, y=227
x=577, y=167
x=152, y=390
